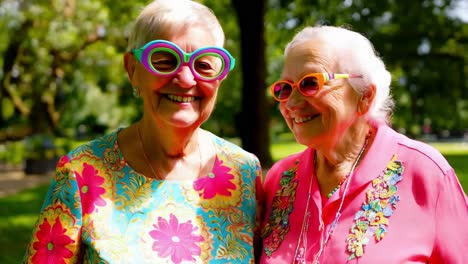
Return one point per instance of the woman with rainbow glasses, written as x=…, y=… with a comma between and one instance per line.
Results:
x=361, y=192
x=161, y=190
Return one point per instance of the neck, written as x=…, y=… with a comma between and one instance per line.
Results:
x=168, y=143
x=175, y=156
x=343, y=148
x=334, y=163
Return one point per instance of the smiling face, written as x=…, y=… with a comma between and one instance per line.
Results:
x=180, y=100
x=322, y=119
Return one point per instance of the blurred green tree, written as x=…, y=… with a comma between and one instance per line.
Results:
x=62, y=72
x=423, y=44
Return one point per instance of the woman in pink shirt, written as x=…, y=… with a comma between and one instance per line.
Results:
x=360, y=192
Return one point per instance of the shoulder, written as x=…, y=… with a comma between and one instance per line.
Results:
x=288, y=161
x=96, y=147
x=423, y=155
x=104, y=141
x=286, y=164
x=228, y=148
x=413, y=153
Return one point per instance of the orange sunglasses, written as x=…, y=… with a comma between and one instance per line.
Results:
x=308, y=85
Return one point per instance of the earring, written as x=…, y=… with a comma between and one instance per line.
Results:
x=136, y=91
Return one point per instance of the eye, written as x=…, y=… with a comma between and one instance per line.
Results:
x=309, y=85
x=208, y=65
x=164, y=64
x=164, y=61
x=203, y=65
x=283, y=90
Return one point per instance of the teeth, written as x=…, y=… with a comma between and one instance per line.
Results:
x=181, y=99
x=299, y=120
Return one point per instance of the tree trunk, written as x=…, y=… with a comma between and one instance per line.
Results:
x=253, y=122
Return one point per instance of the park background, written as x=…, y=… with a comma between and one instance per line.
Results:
x=62, y=80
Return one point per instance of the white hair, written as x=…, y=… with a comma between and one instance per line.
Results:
x=353, y=53
x=161, y=18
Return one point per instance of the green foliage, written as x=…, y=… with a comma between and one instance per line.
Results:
x=12, y=153
x=45, y=146
x=422, y=45
x=68, y=72
x=39, y=147
x=71, y=61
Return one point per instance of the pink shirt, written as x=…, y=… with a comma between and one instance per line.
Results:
x=416, y=211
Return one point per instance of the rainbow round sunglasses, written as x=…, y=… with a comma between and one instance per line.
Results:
x=309, y=85
x=164, y=58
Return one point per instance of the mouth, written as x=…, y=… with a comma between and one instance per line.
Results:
x=180, y=99
x=301, y=120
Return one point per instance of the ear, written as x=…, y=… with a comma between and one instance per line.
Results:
x=366, y=100
x=130, y=65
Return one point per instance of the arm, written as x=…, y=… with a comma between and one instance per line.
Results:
x=451, y=213
x=56, y=236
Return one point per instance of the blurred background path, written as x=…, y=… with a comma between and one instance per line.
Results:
x=13, y=180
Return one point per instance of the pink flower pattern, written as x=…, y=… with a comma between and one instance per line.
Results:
x=216, y=182
x=51, y=247
x=176, y=239
x=63, y=161
x=90, y=188
x=96, y=195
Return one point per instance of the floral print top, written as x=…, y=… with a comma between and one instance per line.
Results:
x=99, y=210
x=404, y=204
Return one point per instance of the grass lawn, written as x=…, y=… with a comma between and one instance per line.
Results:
x=19, y=212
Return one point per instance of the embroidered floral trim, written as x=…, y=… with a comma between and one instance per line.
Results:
x=278, y=225
x=372, y=220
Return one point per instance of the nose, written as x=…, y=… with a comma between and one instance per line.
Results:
x=184, y=78
x=295, y=100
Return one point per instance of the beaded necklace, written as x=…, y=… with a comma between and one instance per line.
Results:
x=323, y=243
x=337, y=187
x=300, y=254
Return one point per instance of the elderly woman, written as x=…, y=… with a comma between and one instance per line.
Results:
x=360, y=192
x=162, y=190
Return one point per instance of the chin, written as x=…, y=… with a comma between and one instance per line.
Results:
x=302, y=141
x=306, y=139
x=182, y=123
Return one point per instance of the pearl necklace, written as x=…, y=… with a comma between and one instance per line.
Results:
x=300, y=254
x=156, y=175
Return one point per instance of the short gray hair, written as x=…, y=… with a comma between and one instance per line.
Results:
x=161, y=18
x=354, y=54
